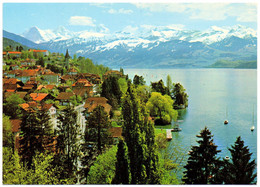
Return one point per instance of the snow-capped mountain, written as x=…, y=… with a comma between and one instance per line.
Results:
x=160, y=46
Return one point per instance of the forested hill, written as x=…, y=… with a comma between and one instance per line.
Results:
x=235, y=64
x=8, y=42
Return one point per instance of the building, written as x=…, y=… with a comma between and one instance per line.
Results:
x=92, y=102
x=64, y=98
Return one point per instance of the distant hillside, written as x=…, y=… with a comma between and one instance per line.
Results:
x=234, y=64
x=20, y=39
x=8, y=42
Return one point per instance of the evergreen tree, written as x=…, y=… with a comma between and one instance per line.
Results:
x=96, y=138
x=179, y=95
x=122, y=174
x=34, y=128
x=202, y=164
x=97, y=127
x=159, y=87
x=67, y=141
x=135, y=139
x=241, y=168
x=111, y=90
x=138, y=80
x=67, y=56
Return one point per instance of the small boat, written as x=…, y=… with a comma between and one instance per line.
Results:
x=253, y=127
x=176, y=129
x=226, y=158
x=226, y=121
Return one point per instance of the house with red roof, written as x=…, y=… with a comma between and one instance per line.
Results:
x=92, y=102
x=36, y=52
x=83, y=88
x=40, y=97
x=64, y=97
x=50, y=77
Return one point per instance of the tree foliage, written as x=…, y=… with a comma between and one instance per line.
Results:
x=179, y=95
x=160, y=106
x=68, y=142
x=203, y=165
x=103, y=170
x=7, y=132
x=240, y=170
x=122, y=173
x=138, y=80
x=111, y=91
x=11, y=106
x=159, y=87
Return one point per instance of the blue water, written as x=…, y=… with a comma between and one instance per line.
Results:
x=213, y=95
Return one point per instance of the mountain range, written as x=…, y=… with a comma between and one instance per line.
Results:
x=148, y=46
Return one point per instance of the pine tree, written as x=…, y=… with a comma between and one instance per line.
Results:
x=241, y=168
x=96, y=138
x=202, y=164
x=97, y=128
x=122, y=174
x=134, y=138
x=34, y=128
x=67, y=141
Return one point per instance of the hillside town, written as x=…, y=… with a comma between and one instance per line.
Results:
x=42, y=89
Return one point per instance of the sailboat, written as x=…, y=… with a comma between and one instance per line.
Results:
x=226, y=121
x=253, y=127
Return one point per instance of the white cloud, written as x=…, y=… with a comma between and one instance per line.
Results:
x=82, y=20
x=243, y=12
x=120, y=11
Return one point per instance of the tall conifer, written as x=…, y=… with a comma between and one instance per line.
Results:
x=240, y=170
x=202, y=163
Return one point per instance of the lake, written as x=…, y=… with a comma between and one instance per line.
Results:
x=213, y=95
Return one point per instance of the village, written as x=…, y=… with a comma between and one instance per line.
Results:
x=43, y=89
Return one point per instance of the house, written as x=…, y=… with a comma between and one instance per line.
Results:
x=72, y=71
x=93, y=78
x=36, y=52
x=26, y=74
x=92, y=102
x=14, y=67
x=48, y=87
x=50, y=76
x=40, y=97
x=112, y=73
x=16, y=124
x=116, y=132
x=66, y=78
x=20, y=94
x=14, y=54
x=30, y=84
x=83, y=88
x=12, y=84
x=64, y=97
x=52, y=111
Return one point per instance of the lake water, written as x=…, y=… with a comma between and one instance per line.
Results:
x=212, y=94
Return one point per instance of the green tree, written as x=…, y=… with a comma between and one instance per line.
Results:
x=103, y=170
x=202, y=165
x=35, y=127
x=160, y=106
x=122, y=173
x=68, y=142
x=97, y=129
x=111, y=90
x=159, y=87
x=11, y=106
x=123, y=85
x=138, y=80
x=179, y=95
x=169, y=84
x=143, y=93
x=7, y=132
x=240, y=170
x=134, y=136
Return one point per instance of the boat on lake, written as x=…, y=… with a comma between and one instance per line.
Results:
x=253, y=127
x=226, y=158
x=176, y=129
x=226, y=121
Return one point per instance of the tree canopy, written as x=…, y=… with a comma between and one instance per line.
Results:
x=160, y=106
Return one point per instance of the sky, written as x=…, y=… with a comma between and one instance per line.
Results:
x=19, y=17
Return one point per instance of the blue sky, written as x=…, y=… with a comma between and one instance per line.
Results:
x=18, y=17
